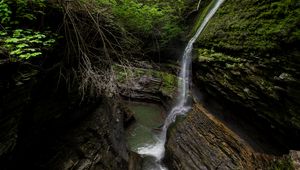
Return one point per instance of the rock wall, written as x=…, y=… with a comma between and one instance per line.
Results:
x=247, y=60
x=201, y=141
x=147, y=84
x=15, y=90
x=43, y=126
x=248, y=57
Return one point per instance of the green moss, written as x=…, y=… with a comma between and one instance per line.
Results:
x=200, y=18
x=253, y=25
x=255, y=57
x=211, y=55
x=283, y=164
x=167, y=85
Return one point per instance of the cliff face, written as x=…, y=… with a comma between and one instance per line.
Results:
x=43, y=126
x=248, y=56
x=246, y=60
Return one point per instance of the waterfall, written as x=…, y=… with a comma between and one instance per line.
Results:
x=157, y=150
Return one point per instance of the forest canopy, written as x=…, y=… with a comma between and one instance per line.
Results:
x=24, y=35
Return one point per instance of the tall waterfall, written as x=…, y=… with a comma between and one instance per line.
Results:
x=157, y=150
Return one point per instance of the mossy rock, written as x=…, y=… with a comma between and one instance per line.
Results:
x=165, y=83
x=249, y=54
x=253, y=25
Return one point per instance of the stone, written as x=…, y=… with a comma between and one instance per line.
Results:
x=295, y=158
x=200, y=141
x=260, y=41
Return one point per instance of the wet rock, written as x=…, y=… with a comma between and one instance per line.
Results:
x=135, y=161
x=202, y=142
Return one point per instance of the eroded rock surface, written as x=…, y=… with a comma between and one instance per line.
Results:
x=202, y=142
x=46, y=127
x=96, y=143
x=147, y=84
x=248, y=56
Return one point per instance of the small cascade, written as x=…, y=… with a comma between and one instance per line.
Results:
x=182, y=106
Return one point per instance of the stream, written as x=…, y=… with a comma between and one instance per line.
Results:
x=143, y=137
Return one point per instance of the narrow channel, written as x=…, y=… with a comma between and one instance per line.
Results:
x=153, y=146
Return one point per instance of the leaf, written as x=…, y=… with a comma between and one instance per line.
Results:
x=12, y=40
x=2, y=33
x=30, y=49
x=16, y=52
x=22, y=45
x=29, y=16
x=17, y=33
x=24, y=56
x=36, y=54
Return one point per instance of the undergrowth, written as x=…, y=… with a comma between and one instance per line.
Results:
x=95, y=35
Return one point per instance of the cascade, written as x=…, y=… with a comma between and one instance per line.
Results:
x=182, y=106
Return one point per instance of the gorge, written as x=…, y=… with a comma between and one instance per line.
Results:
x=209, y=84
x=157, y=149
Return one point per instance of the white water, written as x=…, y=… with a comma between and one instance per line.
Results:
x=157, y=150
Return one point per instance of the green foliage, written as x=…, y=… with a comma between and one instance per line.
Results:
x=25, y=44
x=22, y=10
x=19, y=42
x=5, y=12
x=138, y=17
x=148, y=18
